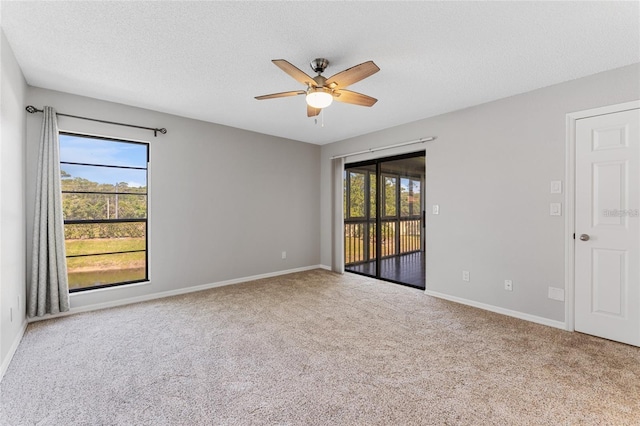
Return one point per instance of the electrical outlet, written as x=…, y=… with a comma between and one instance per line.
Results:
x=465, y=276
x=284, y=254
x=508, y=285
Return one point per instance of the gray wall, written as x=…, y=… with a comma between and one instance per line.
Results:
x=224, y=203
x=12, y=202
x=490, y=171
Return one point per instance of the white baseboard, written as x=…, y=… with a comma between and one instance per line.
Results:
x=12, y=350
x=177, y=292
x=325, y=267
x=498, y=310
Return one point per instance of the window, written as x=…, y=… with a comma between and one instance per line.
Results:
x=389, y=194
x=104, y=203
x=409, y=197
x=358, y=185
x=356, y=194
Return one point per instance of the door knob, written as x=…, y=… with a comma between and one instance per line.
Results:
x=584, y=237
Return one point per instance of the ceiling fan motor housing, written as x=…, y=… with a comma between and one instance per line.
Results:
x=319, y=65
x=320, y=80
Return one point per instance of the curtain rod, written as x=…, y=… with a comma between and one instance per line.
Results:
x=31, y=109
x=428, y=139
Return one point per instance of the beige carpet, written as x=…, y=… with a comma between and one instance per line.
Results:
x=314, y=348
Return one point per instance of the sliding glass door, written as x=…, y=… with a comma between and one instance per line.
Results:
x=384, y=223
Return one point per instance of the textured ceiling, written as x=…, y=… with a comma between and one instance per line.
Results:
x=207, y=60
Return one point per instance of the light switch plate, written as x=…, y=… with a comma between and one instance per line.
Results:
x=555, y=209
x=556, y=293
x=556, y=187
x=436, y=209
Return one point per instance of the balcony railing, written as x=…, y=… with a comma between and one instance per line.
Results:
x=397, y=236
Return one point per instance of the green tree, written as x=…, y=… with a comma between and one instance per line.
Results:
x=390, y=184
x=356, y=196
x=86, y=206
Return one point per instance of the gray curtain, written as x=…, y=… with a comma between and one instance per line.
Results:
x=337, y=223
x=49, y=291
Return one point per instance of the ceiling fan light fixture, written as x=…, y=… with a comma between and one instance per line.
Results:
x=319, y=97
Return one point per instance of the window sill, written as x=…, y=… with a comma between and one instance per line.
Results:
x=117, y=287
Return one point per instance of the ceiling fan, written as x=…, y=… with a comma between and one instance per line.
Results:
x=322, y=91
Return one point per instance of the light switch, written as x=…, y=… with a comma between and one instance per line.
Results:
x=436, y=209
x=556, y=187
x=555, y=209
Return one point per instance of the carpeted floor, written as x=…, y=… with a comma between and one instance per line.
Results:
x=314, y=348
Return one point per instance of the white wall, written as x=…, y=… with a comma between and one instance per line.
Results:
x=490, y=171
x=224, y=202
x=12, y=204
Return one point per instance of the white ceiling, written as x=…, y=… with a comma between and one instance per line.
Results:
x=207, y=60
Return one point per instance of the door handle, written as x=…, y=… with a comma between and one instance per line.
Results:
x=584, y=237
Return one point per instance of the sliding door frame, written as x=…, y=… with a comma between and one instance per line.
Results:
x=379, y=199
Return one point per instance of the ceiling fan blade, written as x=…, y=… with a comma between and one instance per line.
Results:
x=349, y=97
x=312, y=112
x=294, y=72
x=351, y=75
x=281, y=95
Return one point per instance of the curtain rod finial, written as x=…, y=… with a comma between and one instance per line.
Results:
x=31, y=109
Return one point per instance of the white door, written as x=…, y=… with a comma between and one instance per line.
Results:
x=607, y=240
